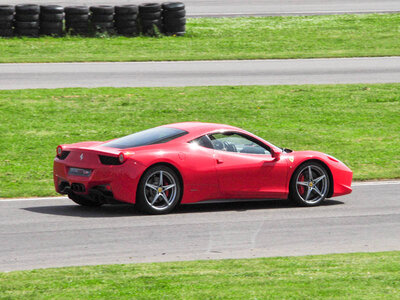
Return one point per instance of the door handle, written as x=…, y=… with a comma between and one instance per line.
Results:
x=219, y=161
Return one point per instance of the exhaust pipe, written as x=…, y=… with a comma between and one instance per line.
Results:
x=78, y=187
x=64, y=187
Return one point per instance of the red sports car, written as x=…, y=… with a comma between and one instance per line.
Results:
x=159, y=168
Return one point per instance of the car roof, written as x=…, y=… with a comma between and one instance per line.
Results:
x=198, y=128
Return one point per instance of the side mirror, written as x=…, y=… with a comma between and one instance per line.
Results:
x=276, y=155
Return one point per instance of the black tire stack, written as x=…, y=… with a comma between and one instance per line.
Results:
x=125, y=20
x=6, y=20
x=102, y=18
x=27, y=20
x=150, y=18
x=174, y=18
x=77, y=20
x=51, y=20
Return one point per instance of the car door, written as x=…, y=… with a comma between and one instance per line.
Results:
x=201, y=181
x=246, y=168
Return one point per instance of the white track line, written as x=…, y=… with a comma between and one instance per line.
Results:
x=293, y=13
x=369, y=183
x=32, y=199
x=355, y=184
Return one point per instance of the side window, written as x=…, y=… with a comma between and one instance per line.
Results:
x=203, y=141
x=233, y=142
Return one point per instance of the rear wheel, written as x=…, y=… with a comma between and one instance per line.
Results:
x=309, y=185
x=159, y=190
x=83, y=200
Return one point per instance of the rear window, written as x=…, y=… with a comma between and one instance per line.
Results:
x=157, y=135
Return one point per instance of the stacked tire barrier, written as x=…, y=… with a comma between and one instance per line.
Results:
x=77, y=20
x=27, y=20
x=102, y=19
x=174, y=18
x=51, y=20
x=6, y=20
x=125, y=20
x=151, y=18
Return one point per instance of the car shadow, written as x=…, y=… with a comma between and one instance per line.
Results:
x=243, y=205
x=74, y=210
x=122, y=210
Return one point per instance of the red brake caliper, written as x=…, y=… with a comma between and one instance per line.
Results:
x=300, y=187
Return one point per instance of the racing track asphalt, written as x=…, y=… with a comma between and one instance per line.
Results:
x=221, y=8
x=201, y=73
x=54, y=232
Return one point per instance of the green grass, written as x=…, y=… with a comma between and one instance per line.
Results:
x=226, y=38
x=339, y=276
x=359, y=124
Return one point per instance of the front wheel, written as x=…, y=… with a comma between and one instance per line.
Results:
x=159, y=190
x=309, y=185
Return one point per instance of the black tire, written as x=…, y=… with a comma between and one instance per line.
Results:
x=6, y=10
x=106, y=25
x=77, y=30
x=175, y=30
x=174, y=22
x=27, y=32
x=102, y=18
x=51, y=9
x=27, y=25
x=125, y=24
x=150, y=23
x=149, y=7
x=125, y=17
x=76, y=18
x=102, y=9
x=83, y=200
x=150, y=16
x=6, y=25
x=173, y=6
x=297, y=191
x=174, y=14
x=26, y=18
x=126, y=9
x=153, y=30
x=77, y=24
x=50, y=31
x=6, y=32
x=52, y=17
x=51, y=25
x=27, y=9
x=160, y=206
x=76, y=10
x=6, y=18
x=128, y=31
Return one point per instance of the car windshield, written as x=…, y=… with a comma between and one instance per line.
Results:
x=157, y=135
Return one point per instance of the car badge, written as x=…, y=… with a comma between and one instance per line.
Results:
x=81, y=157
x=291, y=158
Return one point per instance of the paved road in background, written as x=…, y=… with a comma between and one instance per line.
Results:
x=218, y=8
x=56, y=232
x=201, y=73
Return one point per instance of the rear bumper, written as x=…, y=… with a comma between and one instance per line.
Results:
x=119, y=181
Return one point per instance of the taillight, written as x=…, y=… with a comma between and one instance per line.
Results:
x=121, y=157
x=59, y=151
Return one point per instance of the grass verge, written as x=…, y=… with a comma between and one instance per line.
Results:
x=359, y=124
x=226, y=38
x=339, y=276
